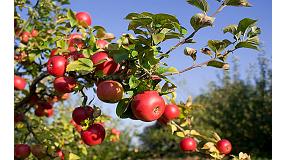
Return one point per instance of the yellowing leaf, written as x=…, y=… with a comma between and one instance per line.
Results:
x=194, y=133
x=180, y=134
x=208, y=145
x=173, y=128
x=73, y=156
x=216, y=136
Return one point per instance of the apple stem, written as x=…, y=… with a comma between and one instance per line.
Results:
x=85, y=98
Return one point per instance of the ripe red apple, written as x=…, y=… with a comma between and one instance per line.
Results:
x=104, y=63
x=171, y=112
x=80, y=114
x=48, y=112
x=45, y=105
x=148, y=106
x=224, y=146
x=22, y=151
x=25, y=36
x=39, y=111
x=56, y=66
x=114, y=131
x=73, y=56
x=19, y=117
x=38, y=150
x=75, y=39
x=34, y=33
x=101, y=43
x=188, y=144
x=83, y=18
x=64, y=84
x=110, y=91
x=95, y=134
x=60, y=154
x=19, y=83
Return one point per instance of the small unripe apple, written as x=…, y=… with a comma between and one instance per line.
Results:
x=64, y=84
x=224, y=146
x=75, y=39
x=110, y=91
x=38, y=150
x=80, y=114
x=188, y=144
x=95, y=134
x=19, y=83
x=83, y=18
x=34, y=33
x=148, y=106
x=22, y=151
x=56, y=66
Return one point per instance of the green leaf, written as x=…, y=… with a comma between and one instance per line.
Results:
x=180, y=134
x=122, y=106
x=86, y=61
x=238, y=3
x=133, y=82
x=201, y=4
x=244, y=24
x=218, y=46
x=218, y=64
x=246, y=44
x=73, y=156
x=120, y=55
x=157, y=38
x=201, y=20
x=61, y=44
x=78, y=66
x=230, y=28
x=71, y=18
x=132, y=16
x=134, y=53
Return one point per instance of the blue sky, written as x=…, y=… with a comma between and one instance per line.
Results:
x=110, y=14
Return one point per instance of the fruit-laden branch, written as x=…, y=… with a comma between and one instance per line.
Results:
x=190, y=68
x=30, y=18
x=32, y=90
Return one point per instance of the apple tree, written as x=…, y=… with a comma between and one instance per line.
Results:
x=58, y=52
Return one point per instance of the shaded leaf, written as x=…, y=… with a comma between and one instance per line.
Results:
x=230, y=28
x=122, y=106
x=238, y=3
x=217, y=46
x=157, y=38
x=201, y=20
x=218, y=64
x=244, y=24
x=201, y=4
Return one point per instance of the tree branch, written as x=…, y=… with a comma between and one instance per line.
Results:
x=32, y=90
x=190, y=68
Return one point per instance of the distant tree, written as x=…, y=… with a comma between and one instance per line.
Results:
x=241, y=110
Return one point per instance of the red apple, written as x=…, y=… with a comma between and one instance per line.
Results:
x=83, y=18
x=114, y=131
x=25, y=36
x=19, y=83
x=104, y=63
x=188, y=144
x=56, y=66
x=110, y=91
x=95, y=134
x=60, y=154
x=22, y=151
x=224, y=146
x=64, y=84
x=38, y=150
x=101, y=43
x=171, y=112
x=45, y=105
x=148, y=106
x=34, y=33
x=39, y=111
x=80, y=114
x=49, y=112
x=19, y=117
x=75, y=39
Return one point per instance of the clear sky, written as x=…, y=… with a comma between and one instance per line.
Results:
x=110, y=14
